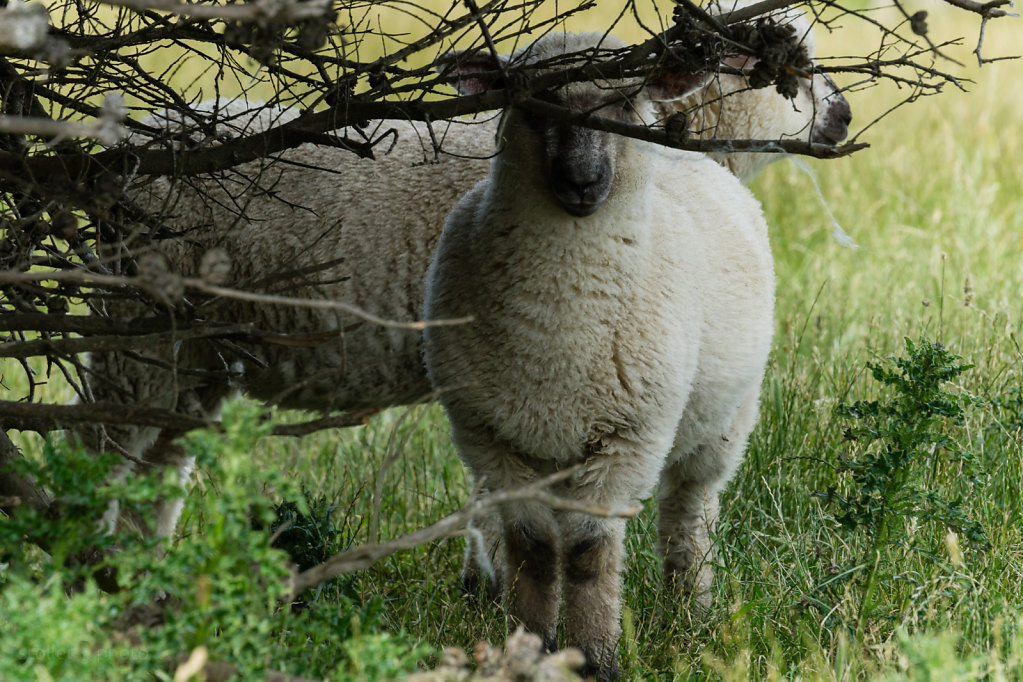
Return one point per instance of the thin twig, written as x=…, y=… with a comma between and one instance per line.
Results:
x=342, y=421
x=96, y=279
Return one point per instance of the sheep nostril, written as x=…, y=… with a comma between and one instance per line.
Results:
x=842, y=111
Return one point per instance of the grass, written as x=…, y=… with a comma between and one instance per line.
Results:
x=936, y=208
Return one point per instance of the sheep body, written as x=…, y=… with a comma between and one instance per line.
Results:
x=629, y=343
x=314, y=206
x=383, y=217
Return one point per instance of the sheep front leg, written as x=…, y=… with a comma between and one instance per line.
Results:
x=687, y=499
x=532, y=594
x=593, y=589
x=687, y=513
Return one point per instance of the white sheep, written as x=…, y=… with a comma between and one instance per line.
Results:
x=729, y=109
x=622, y=298
x=316, y=205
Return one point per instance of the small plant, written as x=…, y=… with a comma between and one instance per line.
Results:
x=307, y=532
x=898, y=444
x=218, y=591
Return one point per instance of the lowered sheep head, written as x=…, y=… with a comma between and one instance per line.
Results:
x=729, y=108
x=579, y=163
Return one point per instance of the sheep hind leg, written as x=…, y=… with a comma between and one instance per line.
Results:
x=163, y=454
x=481, y=574
x=688, y=492
x=593, y=589
x=166, y=453
x=532, y=593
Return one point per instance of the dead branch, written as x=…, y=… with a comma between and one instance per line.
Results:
x=239, y=295
x=988, y=10
x=107, y=129
x=17, y=489
x=360, y=558
x=197, y=665
x=43, y=418
x=143, y=283
x=22, y=26
x=94, y=344
x=87, y=324
x=346, y=420
x=256, y=10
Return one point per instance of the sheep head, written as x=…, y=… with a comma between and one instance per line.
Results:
x=580, y=164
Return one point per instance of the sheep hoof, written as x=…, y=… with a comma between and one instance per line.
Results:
x=480, y=587
x=608, y=672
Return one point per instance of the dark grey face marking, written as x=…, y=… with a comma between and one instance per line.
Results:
x=580, y=161
x=832, y=126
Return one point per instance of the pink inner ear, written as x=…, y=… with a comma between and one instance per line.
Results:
x=461, y=71
x=739, y=61
x=464, y=80
x=666, y=87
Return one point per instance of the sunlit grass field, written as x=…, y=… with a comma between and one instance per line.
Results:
x=936, y=208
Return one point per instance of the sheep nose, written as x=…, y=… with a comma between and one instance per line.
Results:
x=836, y=121
x=580, y=191
x=835, y=125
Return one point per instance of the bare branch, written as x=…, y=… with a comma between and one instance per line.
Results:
x=27, y=349
x=16, y=489
x=255, y=10
x=48, y=128
x=43, y=418
x=85, y=324
x=346, y=420
x=988, y=10
x=23, y=27
x=322, y=304
x=83, y=277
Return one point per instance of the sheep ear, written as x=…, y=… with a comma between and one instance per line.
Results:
x=668, y=87
x=470, y=71
x=739, y=61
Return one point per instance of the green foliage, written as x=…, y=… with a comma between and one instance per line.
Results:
x=79, y=482
x=901, y=440
x=221, y=586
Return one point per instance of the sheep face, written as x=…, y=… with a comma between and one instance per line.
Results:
x=818, y=111
x=578, y=163
x=728, y=108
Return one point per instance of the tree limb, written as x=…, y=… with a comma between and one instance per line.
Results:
x=348, y=419
x=255, y=10
x=16, y=489
x=43, y=418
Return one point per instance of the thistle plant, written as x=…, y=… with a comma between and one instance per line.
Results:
x=898, y=443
